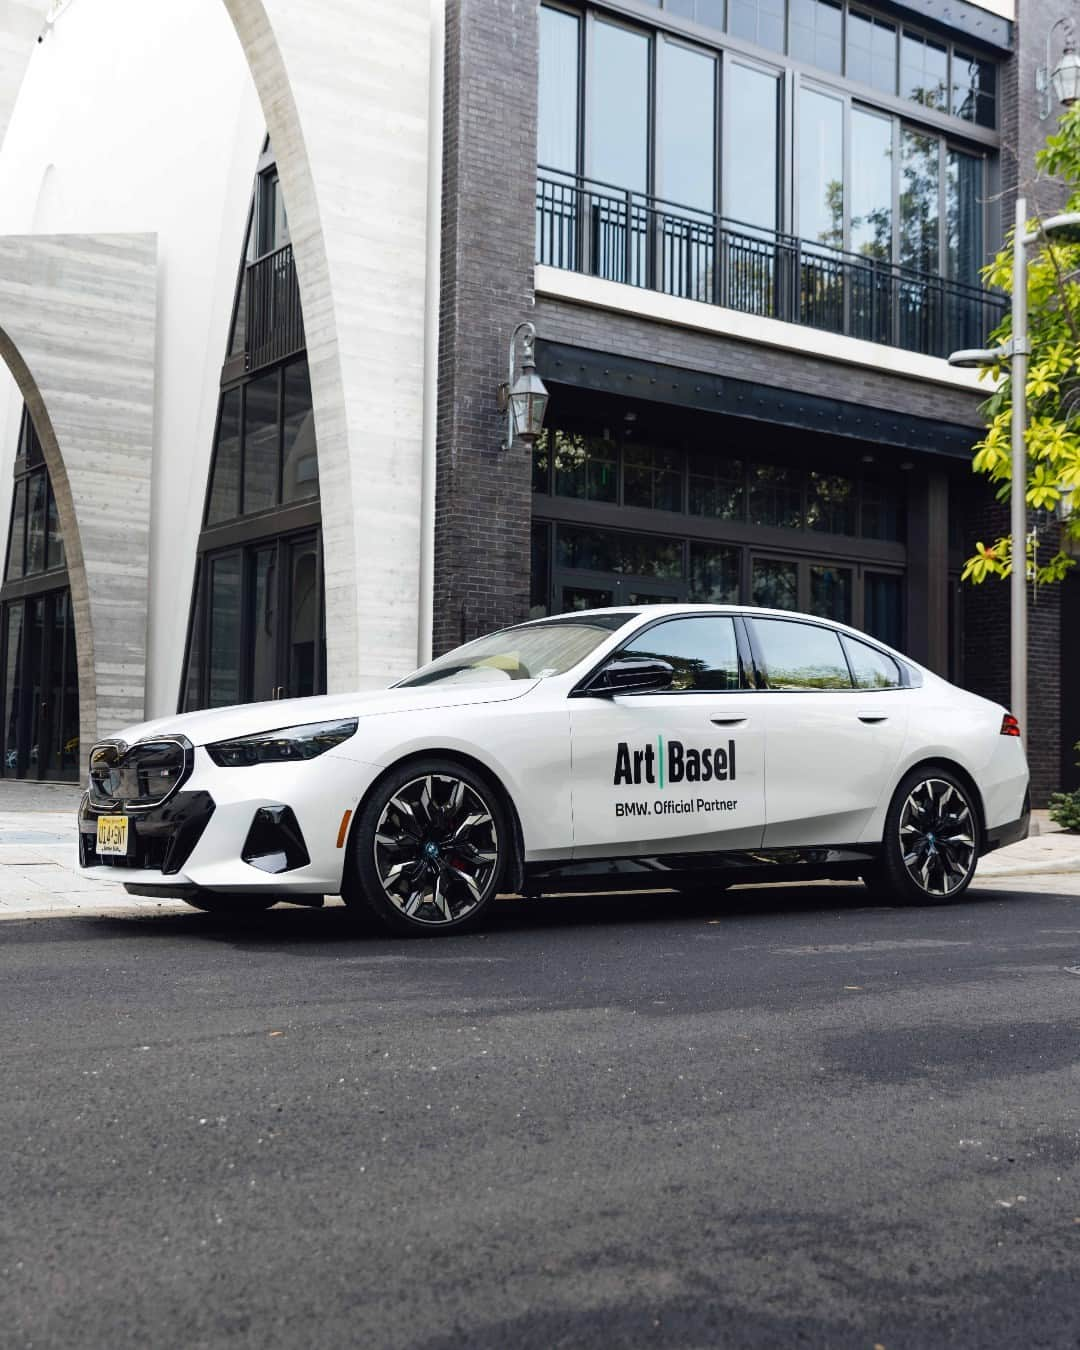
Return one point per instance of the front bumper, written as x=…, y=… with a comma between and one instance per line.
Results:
x=198, y=837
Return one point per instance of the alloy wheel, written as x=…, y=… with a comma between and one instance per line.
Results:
x=937, y=837
x=436, y=849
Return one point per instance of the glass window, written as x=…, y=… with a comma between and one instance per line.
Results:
x=760, y=21
x=13, y=664
x=586, y=467
x=883, y=607
x=872, y=669
x=830, y=592
x=919, y=211
x=924, y=71
x=814, y=34
x=557, y=131
x=830, y=503
x=702, y=649
x=686, y=129
x=871, y=185
x=264, y=584
x=964, y=216
x=300, y=461
x=619, y=107
x=526, y=652
x=37, y=490
x=750, y=164
x=821, y=168
x=224, y=503
x=871, y=51
x=225, y=576
x=710, y=13
x=54, y=544
x=261, y=444
x=191, y=695
x=883, y=515
x=17, y=533
x=640, y=555
x=775, y=496
x=974, y=88
x=303, y=618
x=273, y=223
x=801, y=655
x=540, y=570
x=714, y=574
x=774, y=584
x=541, y=462
x=652, y=478
x=716, y=487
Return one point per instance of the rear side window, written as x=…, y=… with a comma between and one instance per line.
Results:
x=872, y=669
x=702, y=650
x=801, y=655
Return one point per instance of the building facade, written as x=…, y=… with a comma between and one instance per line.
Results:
x=746, y=232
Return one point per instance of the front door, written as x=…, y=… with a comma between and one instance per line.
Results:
x=678, y=771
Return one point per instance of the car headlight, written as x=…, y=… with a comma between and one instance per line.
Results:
x=282, y=746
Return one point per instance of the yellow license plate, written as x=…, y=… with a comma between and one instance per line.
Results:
x=112, y=835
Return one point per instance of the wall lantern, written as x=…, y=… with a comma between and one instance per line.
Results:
x=1064, y=79
x=525, y=399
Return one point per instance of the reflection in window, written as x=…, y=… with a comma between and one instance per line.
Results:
x=715, y=487
x=830, y=503
x=750, y=176
x=714, y=574
x=872, y=669
x=261, y=436
x=774, y=584
x=919, y=214
x=924, y=71
x=557, y=129
x=619, y=107
x=974, y=88
x=871, y=51
x=871, y=185
x=686, y=127
x=814, y=33
x=539, y=570
x=640, y=555
x=775, y=496
x=883, y=607
x=830, y=592
x=17, y=533
x=300, y=459
x=821, y=168
x=702, y=650
x=224, y=503
x=964, y=216
x=801, y=655
x=759, y=21
x=36, y=513
x=224, y=684
x=585, y=466
x=652, y=478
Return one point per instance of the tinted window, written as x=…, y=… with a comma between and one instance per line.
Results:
x=801, y=655
x=702, y=650
x=872, y=669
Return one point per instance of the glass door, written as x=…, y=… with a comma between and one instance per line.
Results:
x=39, y=690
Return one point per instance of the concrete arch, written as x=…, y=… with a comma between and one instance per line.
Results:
x=77, y=332
x=346, y=103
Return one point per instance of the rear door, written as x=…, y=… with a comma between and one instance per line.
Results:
x=832, y=738
x=676, y=771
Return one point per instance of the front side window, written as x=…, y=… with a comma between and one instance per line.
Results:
x=801, y=655
x=527, y=652
x=702, y=650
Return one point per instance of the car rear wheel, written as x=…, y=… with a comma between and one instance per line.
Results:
x=932, y=837
x=430, y=848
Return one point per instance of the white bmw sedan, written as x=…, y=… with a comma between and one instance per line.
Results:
x=688, y=746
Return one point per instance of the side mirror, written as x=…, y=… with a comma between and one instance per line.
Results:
x=632, y=675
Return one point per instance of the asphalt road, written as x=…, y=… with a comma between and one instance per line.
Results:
x=787, y=1119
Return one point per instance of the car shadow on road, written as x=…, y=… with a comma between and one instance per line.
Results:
x=287, y=926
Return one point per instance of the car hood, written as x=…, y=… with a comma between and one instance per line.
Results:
x=219, y=724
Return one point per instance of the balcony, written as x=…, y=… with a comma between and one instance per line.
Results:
x=274, y=323
x=591, y=227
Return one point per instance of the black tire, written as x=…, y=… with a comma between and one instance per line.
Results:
x=430, y=848
x=232, y=906
x=932, y=840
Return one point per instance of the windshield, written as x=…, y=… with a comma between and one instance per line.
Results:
x=529, y=652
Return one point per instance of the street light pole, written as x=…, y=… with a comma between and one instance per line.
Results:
x=1020, y=349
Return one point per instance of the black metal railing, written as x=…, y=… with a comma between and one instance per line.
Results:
x=592, y=227
x=275, y=323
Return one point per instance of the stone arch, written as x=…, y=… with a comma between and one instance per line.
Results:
x=353, y=170
x=77, y=332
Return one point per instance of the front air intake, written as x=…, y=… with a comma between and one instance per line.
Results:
x=275, y=842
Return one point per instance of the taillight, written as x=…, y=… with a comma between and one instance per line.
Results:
x=1009, y=725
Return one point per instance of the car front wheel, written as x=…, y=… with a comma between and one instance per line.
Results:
x=931, y=843
x=430, y=848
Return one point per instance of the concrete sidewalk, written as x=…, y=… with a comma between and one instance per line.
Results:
x=39, y=873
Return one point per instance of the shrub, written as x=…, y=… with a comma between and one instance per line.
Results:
x=1065, y=810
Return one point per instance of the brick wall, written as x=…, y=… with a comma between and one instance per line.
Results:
x=482, y=502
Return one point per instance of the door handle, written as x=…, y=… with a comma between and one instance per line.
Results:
x=872, y=718
x=727, y=721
